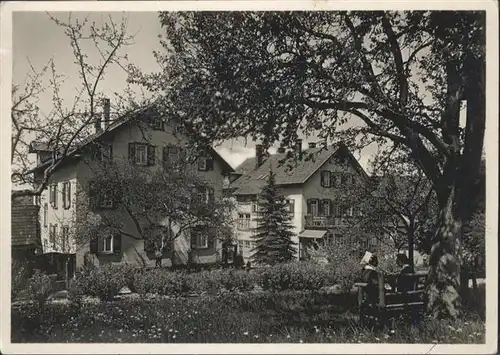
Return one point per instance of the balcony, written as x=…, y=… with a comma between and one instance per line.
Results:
x=323, y=221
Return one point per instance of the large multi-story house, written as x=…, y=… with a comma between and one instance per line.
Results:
x=140, y=139
x=310, y=186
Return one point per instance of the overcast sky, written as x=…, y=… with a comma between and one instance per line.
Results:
x=36, y=39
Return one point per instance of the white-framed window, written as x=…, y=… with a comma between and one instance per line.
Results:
x=141, y=154
x=326, y=178
x=204, y=195
x=45, y=214
x=243, y=221
x=106, y=199
x=53, y=235
x=255, y=207
x=66, y=195
x=199, y=237
x=202, y=240
x=290, y=205
x=107, y=244
x=247, y=244
x=53, y=195
x=172, y=156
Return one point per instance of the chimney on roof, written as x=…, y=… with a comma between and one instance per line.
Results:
x=281, y=150
x=106, y=110
x=298, y=146
x=312, y=144
x=259, y=155
x=97, y=123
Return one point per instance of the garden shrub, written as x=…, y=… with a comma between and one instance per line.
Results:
x=19, y=278
x=104, y=282
x=295, y=276
x=40, y=286
x=162, y=282
x=233, y=280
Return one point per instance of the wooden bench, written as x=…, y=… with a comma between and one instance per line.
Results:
x=390, y=301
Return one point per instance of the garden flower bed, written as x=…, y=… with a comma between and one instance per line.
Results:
x=289, y=316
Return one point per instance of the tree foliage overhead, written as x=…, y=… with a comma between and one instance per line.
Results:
x=273, y=235
x=399, y=76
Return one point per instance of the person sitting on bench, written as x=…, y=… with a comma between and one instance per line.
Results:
x=403, y=282
x=370, y=276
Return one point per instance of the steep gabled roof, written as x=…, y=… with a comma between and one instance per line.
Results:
x=25, y=229
x=42, y=146
x=287, y=170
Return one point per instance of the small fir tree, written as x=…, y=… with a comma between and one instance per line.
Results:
x=274, y=229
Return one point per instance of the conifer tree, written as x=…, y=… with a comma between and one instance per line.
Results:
x=274, y=228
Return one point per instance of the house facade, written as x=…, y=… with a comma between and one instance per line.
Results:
x=73, y=190
x=315, y=187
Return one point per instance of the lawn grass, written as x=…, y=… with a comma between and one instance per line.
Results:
x=284, y=317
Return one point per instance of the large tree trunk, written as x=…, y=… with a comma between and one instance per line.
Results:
x=443, y=286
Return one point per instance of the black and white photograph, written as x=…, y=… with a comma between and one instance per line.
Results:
x=264, y=177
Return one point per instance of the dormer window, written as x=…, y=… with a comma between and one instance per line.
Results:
x=205, y=164
x=105, y=152
x=157, y=123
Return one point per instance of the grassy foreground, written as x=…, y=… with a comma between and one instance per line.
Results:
x=284, y=317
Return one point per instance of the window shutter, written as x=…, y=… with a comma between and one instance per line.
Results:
x=193, y=238
x=309, y=206
x=292, y=205
x=94, y=244
x=55, y=196
x=331, y=207
x=131, y=152
x=64, y=195
x=321, y=208
x=110, y=151
x=332, y=179
x=165, y=157
x=211, y=238
x=211, y=197
x=69, y=195
x=93, y=197
x=151, y=155
x=209, y=164
x=117, y=243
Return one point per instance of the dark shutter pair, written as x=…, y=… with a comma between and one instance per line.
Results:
x=117, y=244
x=150, y=150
